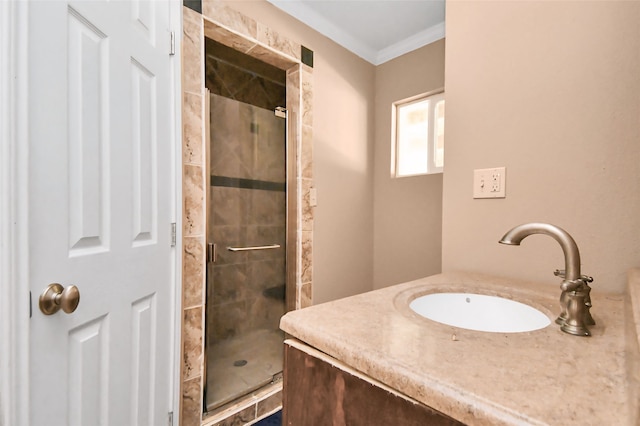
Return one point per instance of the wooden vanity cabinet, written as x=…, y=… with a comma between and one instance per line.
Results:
x=320, y=391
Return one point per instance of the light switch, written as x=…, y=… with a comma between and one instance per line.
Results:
x=313, y=197
x=489, y=183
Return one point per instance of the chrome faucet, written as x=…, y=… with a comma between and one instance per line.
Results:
x=575, y=300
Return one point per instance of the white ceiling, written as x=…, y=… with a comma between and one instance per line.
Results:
x=375, y=30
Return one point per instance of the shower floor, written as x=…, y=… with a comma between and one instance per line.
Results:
x=227, y=380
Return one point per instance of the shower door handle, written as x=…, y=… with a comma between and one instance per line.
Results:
x=212, y=253
x=271, y=246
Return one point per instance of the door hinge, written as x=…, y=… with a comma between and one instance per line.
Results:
x=212, y=253
x=173, y=234
x=281, y=112
x=172, y=48
x=170, y=418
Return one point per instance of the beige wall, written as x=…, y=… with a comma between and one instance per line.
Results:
x=343, y=158
x=407, y=211
x=551, y=90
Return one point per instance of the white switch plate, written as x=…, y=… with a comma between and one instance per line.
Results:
x=313, y=197
x=489, y=183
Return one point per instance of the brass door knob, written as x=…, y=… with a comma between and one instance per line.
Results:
x=55, y=296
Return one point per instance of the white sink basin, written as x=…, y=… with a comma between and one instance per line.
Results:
x=480, y=312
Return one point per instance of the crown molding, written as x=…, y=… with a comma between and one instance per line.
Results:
x=416, y=41
x=316, y=21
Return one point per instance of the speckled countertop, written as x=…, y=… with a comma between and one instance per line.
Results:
x=543, y=377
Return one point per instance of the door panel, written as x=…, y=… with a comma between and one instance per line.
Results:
x=88, y=377
x=143, y=359
x=101, y=201
x=88, y=138
x=145, y=183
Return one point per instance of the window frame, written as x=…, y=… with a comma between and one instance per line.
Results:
x=433, y=97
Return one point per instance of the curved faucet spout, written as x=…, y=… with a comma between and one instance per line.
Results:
x=574, y=300
x=568, y=244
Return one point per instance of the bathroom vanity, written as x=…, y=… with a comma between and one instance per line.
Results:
x=353, y=360
x=325, y=391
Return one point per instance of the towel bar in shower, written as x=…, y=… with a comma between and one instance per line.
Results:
x=272, y=246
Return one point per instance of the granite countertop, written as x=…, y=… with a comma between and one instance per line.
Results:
x=543, y=377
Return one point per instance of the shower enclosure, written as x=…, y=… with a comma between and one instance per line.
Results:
x=246, y=273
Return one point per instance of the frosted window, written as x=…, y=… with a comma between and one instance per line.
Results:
x=418, y=136
x=438, y=132
x=413, y=144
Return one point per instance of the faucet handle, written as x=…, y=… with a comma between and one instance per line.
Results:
x=572, y=285
x=562, y=274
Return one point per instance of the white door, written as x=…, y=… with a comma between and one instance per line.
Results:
x=101, y=202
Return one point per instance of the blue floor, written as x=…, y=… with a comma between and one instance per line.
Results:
x=273, y=420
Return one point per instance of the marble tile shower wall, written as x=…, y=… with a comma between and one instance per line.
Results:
x=193, y=230
x=246, y=289
x=223, y=24
x=247, y=142
x=229, y=74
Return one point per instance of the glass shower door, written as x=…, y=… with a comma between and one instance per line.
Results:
x=247, y=224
